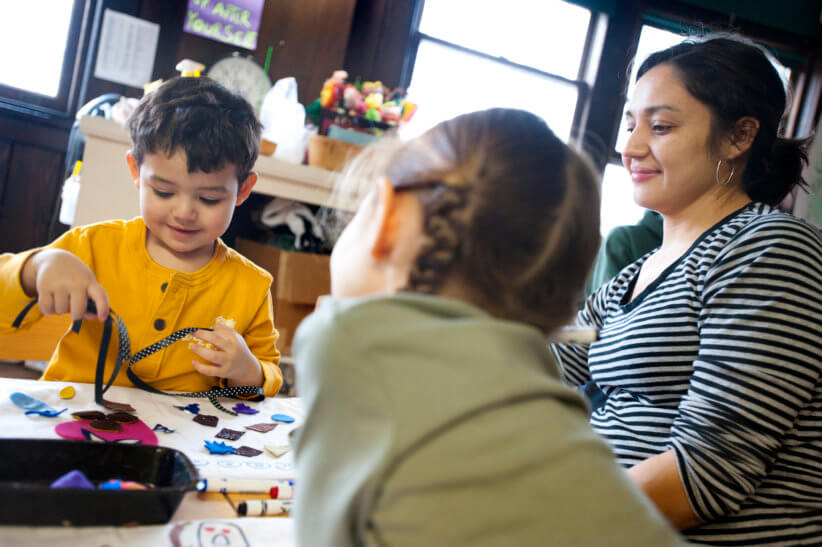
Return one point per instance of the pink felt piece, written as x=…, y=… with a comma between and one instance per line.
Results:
x=134, y=433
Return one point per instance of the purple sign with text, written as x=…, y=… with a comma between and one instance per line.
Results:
x=235, y=22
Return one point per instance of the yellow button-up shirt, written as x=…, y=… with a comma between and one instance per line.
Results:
x=153, y=301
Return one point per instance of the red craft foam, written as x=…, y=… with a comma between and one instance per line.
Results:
x=133, y=433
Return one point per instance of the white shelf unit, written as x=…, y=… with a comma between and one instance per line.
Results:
x=108, y=192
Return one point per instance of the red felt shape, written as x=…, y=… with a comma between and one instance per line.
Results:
x=133, y=433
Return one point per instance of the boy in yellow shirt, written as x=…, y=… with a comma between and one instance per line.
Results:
x=194, y=146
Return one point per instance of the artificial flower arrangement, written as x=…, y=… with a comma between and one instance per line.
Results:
x=365, y=104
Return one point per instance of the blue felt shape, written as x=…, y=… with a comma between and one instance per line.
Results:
x=34, y=406
x=162, y=429
x=113, y=484
x=73, y=479
x=284, y=418
x=219, y=448
x=194, y=408
x=240, y=408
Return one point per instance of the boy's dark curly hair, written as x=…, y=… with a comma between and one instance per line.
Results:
x=211, y=124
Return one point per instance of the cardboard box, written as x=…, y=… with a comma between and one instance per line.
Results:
x=299, y=278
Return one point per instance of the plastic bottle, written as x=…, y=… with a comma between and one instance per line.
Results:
x=71, y=188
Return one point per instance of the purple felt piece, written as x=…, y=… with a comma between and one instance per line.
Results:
x=248, y=452
x=230, y=434
x=73, y=479
x=193, y=408
x=262, y=428
x=240, y=408
x=205, y=419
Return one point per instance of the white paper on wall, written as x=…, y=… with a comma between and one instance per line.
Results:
x=127, y=48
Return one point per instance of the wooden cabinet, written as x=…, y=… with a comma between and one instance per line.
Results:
x=31, y=172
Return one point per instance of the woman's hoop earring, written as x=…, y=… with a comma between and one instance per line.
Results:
x=733, y=169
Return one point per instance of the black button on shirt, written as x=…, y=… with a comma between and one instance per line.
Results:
x=163, y=287
x=159, y=324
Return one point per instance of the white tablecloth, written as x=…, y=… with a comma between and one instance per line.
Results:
x=270, y=531
x=152, y=409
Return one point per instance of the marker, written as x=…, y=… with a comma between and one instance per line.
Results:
x=261, y=508
x=248, y=486
x=284, y=492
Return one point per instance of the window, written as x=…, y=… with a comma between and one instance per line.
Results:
x=476, y=54
x=39, y=39
x=618, y=206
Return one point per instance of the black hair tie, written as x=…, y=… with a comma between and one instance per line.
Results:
x=124, y=355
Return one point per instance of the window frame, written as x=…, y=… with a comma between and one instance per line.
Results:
x=583, y=82
x=794, y=52
x=61, y=106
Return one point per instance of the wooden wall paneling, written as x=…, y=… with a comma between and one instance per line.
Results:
x=32, y=185
x=170, y=16
x=29, y=192
x=5, y=154
x=43, y=133
x=326, y=27
x=309, y=38
x=380, y=40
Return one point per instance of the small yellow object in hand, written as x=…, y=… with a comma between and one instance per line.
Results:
x=230, y=323
x=67, y=392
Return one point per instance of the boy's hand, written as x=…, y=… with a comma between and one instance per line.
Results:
x=63, y=284
x=230, y=359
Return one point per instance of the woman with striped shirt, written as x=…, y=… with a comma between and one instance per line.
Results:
x=710, y=346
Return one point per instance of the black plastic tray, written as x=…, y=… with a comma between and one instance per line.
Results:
x=29, y=466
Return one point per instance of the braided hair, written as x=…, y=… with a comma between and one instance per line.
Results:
x=511, y=213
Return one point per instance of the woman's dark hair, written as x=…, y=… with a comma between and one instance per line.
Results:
x=511, y=213
x=735, y=78
x=210, y=123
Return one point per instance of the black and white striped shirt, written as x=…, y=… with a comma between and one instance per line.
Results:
x=719, y=359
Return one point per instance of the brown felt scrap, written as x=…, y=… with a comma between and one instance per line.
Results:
x=230, y=434
x=112, y=405
x=262, y=428
x=205, y=419
x=105, y=425
x=122, y=417
x=248, y=452
x=88, y=415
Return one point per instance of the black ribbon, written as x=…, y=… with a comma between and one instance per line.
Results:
x=124, y=356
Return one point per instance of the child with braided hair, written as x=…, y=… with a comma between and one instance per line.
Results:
x=434, y=410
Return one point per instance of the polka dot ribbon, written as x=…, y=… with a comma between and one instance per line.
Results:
x=124, y=356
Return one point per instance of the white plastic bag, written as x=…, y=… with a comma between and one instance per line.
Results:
x=283, y=119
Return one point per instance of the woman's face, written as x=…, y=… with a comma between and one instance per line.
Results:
x=668, y=152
